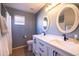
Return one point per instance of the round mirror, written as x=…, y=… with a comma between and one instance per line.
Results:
x=67, y=19
x=45, y=24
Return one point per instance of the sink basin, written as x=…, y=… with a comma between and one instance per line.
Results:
x=59, y=41
x=64, y=43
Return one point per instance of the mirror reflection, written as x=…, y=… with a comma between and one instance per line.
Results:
x=45, y=23
x=66, y=19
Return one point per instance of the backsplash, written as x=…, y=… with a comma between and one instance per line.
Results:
x=52, y=19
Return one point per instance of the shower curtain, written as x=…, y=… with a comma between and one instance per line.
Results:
x=5, y=36
x=4, y=51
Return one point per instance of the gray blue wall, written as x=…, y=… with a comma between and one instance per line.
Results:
x=18, y=31
x=52, y=18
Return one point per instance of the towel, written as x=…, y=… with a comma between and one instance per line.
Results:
x=3, y=25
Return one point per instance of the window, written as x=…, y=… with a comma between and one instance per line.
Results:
x=19, y=20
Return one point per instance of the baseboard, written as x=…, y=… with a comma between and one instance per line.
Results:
x=19, y=47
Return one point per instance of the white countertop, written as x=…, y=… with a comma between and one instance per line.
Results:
x=57, y=41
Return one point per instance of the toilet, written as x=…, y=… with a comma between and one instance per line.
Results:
x=29, y=43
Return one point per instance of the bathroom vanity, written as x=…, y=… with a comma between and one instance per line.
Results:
x=52, y=45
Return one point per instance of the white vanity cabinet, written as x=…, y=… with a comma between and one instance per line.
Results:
x=35, y=47
x=39, y=47
x=44, y=48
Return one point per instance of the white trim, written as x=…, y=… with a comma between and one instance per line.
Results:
x=19, y=47
x=19, y=20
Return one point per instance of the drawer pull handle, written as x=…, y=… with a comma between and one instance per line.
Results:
x=53, y=52
x=56, y=54
x=41, y=44
x=41, y=50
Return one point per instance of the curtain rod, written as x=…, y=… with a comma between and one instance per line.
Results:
x=4, y=7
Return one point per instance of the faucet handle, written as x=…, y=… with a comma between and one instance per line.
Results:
x=65, y=38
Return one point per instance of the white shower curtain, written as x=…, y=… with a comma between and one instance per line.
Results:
x=4, y=50
x=4, y=45
x=6, y=39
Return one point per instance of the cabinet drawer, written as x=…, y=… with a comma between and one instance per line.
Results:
x=64, y=53
x=42, y=48
x=53, y=51
x=35, y=46
x=42, y=52
x=41, y=44
x=34, y=40
x=50, y=51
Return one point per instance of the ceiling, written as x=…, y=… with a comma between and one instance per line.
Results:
x=27, y=7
